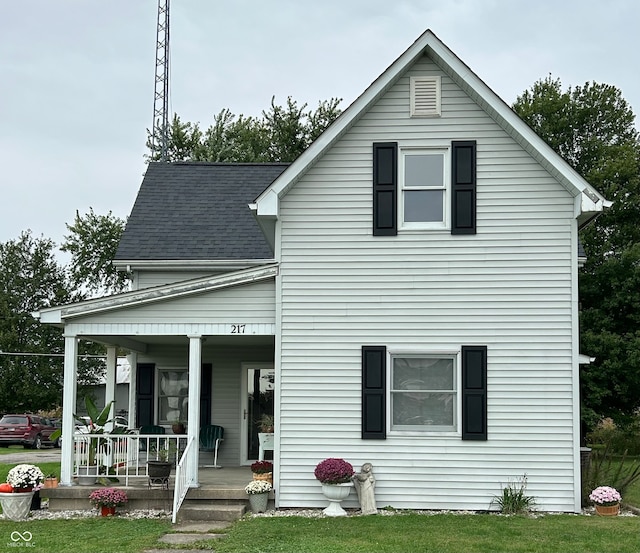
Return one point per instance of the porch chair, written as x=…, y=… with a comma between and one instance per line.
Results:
x=149, y=429
x=210, y=437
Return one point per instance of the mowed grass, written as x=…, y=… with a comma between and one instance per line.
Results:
x=442, y=533
x=405, y=532
x=93, y=535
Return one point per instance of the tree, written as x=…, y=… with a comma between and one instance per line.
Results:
x=31, y=279
x=92, y=243
x=592, y=127
x=280, y=135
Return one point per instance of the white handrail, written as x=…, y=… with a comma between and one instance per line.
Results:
x=183, y=481
x=123, y=455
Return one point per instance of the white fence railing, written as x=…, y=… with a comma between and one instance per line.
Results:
x=183, y=481
x=124, y=456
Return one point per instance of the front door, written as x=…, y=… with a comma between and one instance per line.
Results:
x=258, y=399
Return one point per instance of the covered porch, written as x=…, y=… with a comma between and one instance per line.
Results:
x=197, y=350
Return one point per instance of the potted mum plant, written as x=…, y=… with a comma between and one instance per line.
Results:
x=336, y=478
x=258, y=492
x=263, y=470
x=21, y=491
x=607, y=500
x=107, y=499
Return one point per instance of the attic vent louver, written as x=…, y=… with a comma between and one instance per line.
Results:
x=425, y=96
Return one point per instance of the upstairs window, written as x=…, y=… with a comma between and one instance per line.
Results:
x=424, y=185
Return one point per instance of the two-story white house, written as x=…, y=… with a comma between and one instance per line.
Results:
x=405, y=293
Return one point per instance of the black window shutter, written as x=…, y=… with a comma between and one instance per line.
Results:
x=374, y=383
x=463, y=187
x=145, y=377
x=205, y=394
x=385, y=184
x=474, y=392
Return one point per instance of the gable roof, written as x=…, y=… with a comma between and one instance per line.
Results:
x=197, y=211
x=590, y=202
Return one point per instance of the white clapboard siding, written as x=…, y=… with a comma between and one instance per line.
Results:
x=508, y=287
x=226, y=379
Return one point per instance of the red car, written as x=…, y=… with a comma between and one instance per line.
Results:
x=26, y=430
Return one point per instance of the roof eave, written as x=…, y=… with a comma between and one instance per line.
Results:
x=61, y=314
x=267, y=204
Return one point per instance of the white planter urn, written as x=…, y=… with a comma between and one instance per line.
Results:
x=335, y=493
x=16, y=506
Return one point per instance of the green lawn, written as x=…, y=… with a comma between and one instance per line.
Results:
x=406, y=532
x=94, y=535
x=440, y=533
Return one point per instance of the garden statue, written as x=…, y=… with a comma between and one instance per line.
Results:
x=365, y=486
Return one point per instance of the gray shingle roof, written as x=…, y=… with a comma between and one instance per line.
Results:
x=198, y=211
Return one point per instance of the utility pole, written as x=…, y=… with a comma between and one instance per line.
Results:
x=160, y=134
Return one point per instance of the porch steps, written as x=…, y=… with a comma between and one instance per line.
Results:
x=222, y=504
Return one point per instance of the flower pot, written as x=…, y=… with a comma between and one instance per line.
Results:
x=178, y=428
x=159, y=469
x=16, y=506
x=107, y=511
x=87, y=475
x=36, y=501
x=335, y=493
x=266, y=476
x=50, y=483
x=259, y=502
x=608, y=510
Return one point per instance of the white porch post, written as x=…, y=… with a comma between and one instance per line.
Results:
x=68, y=408
x=110, y=383
x=193, y=423
x=133, y=389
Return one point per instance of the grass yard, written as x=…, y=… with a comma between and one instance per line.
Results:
x=406, y=532
x=93, y=535
x=442, y=533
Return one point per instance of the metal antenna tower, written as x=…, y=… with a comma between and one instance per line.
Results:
x=160, y=135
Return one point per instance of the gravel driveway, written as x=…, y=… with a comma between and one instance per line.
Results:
x=45, y=455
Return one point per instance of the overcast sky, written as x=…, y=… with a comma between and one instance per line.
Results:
x=77, y=76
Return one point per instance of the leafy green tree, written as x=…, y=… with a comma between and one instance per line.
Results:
x=280, y=135
x=92, y=242
x=592, y=127
x=30, y=371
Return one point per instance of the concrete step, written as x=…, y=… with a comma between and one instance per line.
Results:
x=198, y=510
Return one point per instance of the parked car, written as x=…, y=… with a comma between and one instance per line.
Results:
x=26, y=430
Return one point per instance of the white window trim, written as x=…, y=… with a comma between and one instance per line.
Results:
x=443, y=225
x=413, y=352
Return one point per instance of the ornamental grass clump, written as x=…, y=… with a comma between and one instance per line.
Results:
x=334, y=471
x=514, y=500
x=258, y=486
x=108, y=497
x=25, y=477
x=605, y=496
x=262, y=467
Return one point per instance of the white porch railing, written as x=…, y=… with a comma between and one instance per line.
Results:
x=183, y=481
x=124, y=456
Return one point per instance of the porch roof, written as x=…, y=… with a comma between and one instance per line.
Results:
x=61, y=314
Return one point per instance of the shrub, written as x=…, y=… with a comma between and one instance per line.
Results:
x=608, y=469
x=514, y=500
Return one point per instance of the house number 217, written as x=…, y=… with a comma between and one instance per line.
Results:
x=238, y=329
